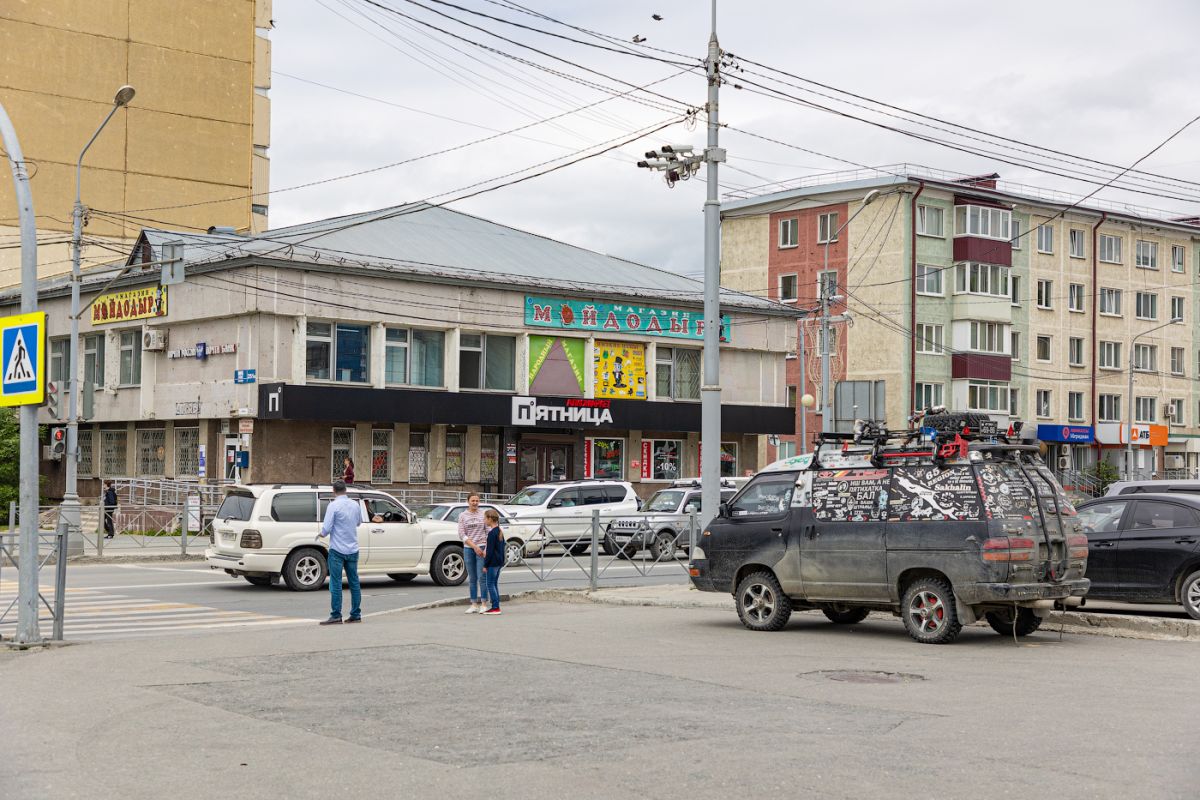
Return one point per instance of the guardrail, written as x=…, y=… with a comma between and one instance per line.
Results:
x=135, y=529
x=54, y=546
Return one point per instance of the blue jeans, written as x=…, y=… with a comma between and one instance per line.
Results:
x=350, y=562
x=474, y=573
x=493, y=585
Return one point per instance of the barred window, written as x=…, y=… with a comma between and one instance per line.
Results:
x=87, y=453
x=341, y=448
x=381, y=456
x=187, y=452
x=151, y=449
x=418, y=458
x=489, y=458
x=113, y=448
x=455, y=472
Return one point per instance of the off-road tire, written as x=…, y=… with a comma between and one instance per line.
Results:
x=954, y=421
x=664, y=546
x=514, y=552
x=929, y=612
x=1002, y=622
x=848, y=616
x=1189, y=594
x=258, y=580
x=448, y=567
x=761, y=603
x=402, y=577
x=606, y=545
x=298, y=569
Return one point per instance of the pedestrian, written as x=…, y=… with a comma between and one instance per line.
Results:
x=110, y=510
x=472, y=530
x=493, y=559
x=348, y=471
x=341, y=526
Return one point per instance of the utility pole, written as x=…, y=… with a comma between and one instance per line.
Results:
x=27, y=581
x=1132, y=400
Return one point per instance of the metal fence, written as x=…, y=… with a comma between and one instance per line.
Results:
x=52, y=551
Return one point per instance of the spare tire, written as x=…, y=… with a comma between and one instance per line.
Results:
x=955, y=421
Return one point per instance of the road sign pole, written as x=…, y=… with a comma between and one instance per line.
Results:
x=27, y=586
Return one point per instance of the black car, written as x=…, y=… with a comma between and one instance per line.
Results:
x=1144, y=548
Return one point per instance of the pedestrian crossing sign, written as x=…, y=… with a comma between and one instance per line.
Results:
x=23, y=359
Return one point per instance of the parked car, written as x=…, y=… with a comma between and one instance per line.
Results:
x=263, y=533
x=662, y=525
x=521, y=539
x=1144, y=548
x=1170, y=486
x=942, y=533
x=564, y=508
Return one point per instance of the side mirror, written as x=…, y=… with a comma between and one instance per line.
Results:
x=723, y=510
x=555, y=504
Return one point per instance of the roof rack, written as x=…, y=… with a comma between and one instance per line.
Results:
x=873, y=443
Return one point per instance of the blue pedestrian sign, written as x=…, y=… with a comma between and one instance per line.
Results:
x=23, y=359
x=245, y=376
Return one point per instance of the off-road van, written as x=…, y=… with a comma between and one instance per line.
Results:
x=941, y=530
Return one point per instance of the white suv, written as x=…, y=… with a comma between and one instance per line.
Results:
x=565, y=508
x=264, y=532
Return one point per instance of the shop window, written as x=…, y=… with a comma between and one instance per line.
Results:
x=677, y=373
x=489, y=458
x=381, y=456
x=418, y=457
x=341, y=448
x=666, y=459
x=87, y=453
x=486, y=361
x=114, y=447
x=131, y=358
x=455, y=458
x=151, y=448
x=338, y=351
x=729, y=459
x=607, y=458
x=187, y=452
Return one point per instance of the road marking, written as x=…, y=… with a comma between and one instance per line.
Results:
x=161, y=569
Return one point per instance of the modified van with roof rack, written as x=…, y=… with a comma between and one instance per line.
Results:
x=942, y=525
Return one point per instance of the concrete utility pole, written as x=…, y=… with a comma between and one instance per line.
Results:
x=27, y=581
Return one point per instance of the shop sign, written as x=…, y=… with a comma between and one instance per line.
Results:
x=530, y=411
x=245, y=426
x=620, y=369
x=587, y=315
x=510, y=452
x=131, y=304
x=1143, y=435
x=1075, y=434
x=203, y=350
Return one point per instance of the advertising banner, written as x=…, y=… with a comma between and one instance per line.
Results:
x=131, y=304
x=620, y=370
x=556, y=365
x=587, y=315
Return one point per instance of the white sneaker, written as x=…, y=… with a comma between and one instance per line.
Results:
x=472, y=609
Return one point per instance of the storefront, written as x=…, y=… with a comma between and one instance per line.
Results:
x=1072, y=442
x=1147, y=444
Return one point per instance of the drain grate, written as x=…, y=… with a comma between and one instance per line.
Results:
x=864, y=676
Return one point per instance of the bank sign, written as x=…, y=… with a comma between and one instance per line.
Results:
x=572, y=410
x=1079, y=434
x=585, y=315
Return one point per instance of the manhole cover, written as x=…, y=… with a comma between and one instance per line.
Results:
x=864, y=676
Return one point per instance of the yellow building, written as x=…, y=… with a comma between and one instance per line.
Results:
x=196, y=135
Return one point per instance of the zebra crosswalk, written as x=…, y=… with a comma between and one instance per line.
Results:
x=96, y=614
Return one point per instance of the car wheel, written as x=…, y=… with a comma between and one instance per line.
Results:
x=606, y=545
x=1002, y=622
x=929, y=613
x=402, y=577
x=845, y=616
x=761, y=603
x=258, y=580
x=514, y=552
x=1189, y=593
x=449, y=567
x=305, y=570
x=663, y=547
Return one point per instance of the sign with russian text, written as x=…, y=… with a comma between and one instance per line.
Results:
x=571, y=411
x=586, y=315
x=620, y=370
x=1080, y=434
x=131, y=304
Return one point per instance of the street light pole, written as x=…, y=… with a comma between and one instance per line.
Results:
x=1129, y=431
x=70, y=502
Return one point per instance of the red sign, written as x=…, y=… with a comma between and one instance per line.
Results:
x=646, y=460
x=587, y=458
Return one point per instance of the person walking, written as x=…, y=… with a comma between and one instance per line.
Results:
x=341, y=526
x=493, y=559
x=110, y=510
x=472, y=530
x=348, y=471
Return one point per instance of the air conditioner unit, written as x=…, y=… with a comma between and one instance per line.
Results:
x=154, y=339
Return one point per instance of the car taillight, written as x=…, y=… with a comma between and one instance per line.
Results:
x=1077, y=546
x=251, y=540
x=1009, y=548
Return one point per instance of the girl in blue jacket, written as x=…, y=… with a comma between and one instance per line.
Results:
x=493, y=559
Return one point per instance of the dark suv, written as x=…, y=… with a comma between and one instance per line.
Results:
x=940, y=532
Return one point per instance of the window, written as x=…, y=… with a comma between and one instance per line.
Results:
x=929, y=338
x=1045, y=237
x=489, y=458
x=1016, y=234
x=87, y=457
x=455, y=457
x=113, y=452
x=341, y=447
x=187, y=452
x=336, y=351
x=789, y=288
x=1043, y=348
x=787, y=450
x=929, y=221
x=928, y=395
x=990, y=223
x=1042, y=399
x=131, y=358
x=791, y=397
x=294, y=507
x=1146, y=306
x=58, y=360
x=418, y=457
x=487, y=362
x=607, y=458
x=987, y=396
x=1075, y=406
x=93, y=359
x=666, y=459
x=1176, y=309
x=414, y=356
x=789, y=232
x=827, y=228
x=1147, y=255
x=827, y=283
x=1075, y=298
x=1157, y=515
x=1175, y=412
x=1110, y=302
x=1177, y=258
x=1145, y=358
x=767, y=496
x=989, y=279
x=1109, y=407
x=1015, y=345
x=1110, y=249
x=1177, y=357
x=381, y=456
x=1014, y=402
x=729, y=460
x=929, y=280
x=1076, y=243
x=987, y=337
x=677, y=373
x=1144, y=409
x=1110, y=355
x=1075, y=351
x=151, y=451
x=1045, y=294
x=1014, y=283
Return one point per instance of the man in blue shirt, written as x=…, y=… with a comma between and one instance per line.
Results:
x=341, y=526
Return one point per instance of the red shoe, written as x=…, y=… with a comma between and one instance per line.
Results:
x=492, y=611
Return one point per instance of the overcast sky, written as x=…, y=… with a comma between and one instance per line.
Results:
x=1103, y=79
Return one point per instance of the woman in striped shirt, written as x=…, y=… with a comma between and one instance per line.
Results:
x=472, y=530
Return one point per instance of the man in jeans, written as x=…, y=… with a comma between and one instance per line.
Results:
x=472, y=530
x=341, y=526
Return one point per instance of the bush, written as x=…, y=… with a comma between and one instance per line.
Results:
x=1105, y=474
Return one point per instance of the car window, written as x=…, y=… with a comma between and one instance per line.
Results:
x=566, y=498
x=1102, y=517
x=533, y=496
x=850, y=495
x=430, y=511
x=385, y=507
x=595, y=495
x=771, y=495
x=454, y=513
x=294, y=507
x=326, y=498
x=237, y=507
x=664, y=500
x=692, y=506
x=616, y=494
x=1155, y=515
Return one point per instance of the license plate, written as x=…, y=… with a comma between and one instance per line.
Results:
x=988, y=427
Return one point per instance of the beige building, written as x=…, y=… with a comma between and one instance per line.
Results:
x=190, y=151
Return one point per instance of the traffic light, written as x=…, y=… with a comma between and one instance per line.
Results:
x=58, y=443
x=53, y=400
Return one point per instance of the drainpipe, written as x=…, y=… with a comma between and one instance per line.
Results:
x=912, y=298
x=1095, y=311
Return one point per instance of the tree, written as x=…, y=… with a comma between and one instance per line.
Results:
x=1105, y=474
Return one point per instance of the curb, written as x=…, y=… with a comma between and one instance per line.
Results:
x=1127, y=626
x=156, y=557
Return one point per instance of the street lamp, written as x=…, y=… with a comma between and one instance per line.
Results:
x=70, y=503
x=1129, y=432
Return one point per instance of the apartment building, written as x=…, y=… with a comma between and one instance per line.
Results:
x=190, y=151
x=987, y=296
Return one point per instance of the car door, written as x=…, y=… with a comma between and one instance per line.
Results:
x=1157, y=537
x=396, y=540
x=1102, y=525
x=842, y=552
x=755, y=529
x=565, y=515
